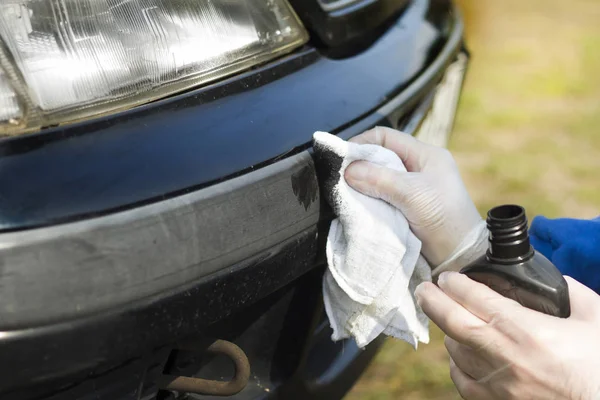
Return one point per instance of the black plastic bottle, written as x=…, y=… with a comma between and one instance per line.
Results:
x=514, y=269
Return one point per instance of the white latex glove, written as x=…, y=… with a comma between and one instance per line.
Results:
x=431, y=195
x=502, y=350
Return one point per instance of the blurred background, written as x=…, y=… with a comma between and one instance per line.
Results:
x=527, y=132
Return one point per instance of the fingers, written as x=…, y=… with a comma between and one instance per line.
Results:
x=409, y=149
x=585, y=303
x=380, y=182
x=451, y=317
x=467, y=387
x=371, y=179
x=477, y=298
x=467, y=359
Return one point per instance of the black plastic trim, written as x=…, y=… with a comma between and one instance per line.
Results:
x=358, y=21
x=84, y=267
x=90, y=345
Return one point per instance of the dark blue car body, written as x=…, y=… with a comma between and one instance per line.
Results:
x=199, y=217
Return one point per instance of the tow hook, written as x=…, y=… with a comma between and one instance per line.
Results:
x=187, y=384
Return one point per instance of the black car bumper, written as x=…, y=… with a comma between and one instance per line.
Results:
x=198, y=216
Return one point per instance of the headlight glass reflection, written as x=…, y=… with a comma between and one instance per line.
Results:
x=83, y=57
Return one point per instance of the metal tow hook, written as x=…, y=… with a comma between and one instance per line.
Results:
x=211, y=387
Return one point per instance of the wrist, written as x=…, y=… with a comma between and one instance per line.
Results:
x=472, y=246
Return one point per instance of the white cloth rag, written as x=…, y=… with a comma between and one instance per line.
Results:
x=374, y=261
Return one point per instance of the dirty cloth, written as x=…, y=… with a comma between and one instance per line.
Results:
x=374, y=261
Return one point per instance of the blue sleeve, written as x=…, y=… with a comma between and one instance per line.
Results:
x=572, y=245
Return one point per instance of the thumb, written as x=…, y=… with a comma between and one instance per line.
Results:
x=373, y=180
x=585, y=303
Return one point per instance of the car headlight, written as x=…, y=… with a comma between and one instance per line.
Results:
x=65, y=60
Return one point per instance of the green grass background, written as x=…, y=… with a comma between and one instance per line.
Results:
x=527, y=131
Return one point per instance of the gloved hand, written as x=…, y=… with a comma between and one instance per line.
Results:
x=572, y=245
x=431, y=195
x=502, y=350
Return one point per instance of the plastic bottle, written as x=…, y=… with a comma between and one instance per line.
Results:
x=514, y=269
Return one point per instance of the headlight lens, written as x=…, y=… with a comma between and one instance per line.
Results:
x=78, y=58
x=10, y=110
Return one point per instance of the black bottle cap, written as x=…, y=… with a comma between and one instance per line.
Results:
x=509, y=237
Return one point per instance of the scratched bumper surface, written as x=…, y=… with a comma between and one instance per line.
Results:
x=82, y=268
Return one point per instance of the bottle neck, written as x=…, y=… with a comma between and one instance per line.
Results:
x=509, y=237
